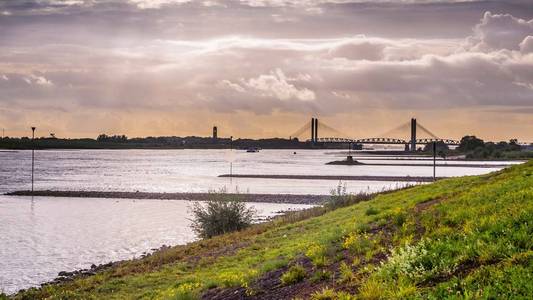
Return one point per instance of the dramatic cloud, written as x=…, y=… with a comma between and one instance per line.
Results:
x=501, y=31
x=276, y=84
x=179, y=62
x=526, y=46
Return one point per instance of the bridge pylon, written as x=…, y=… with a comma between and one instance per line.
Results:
x=413, y=134
x=314, y=130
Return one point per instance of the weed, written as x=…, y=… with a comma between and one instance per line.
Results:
x=340, y=198
x=295, y=274
x=371, y=211
x=317, y=254
x=358, y=243
x=324, y=294
x=346, y=274
x=321, y=275
x=371, y=290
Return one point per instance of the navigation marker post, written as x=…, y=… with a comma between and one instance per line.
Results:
x=32, y=154
x=230, y=157
x=434, y=159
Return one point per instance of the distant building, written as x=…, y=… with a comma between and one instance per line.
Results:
x=215, y=132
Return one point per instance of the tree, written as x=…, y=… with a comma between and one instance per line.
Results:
x=441, y=147
x=470, y=143
x=102, y=137
x=113, y=138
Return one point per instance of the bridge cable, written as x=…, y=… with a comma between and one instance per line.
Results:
x=303, y=129
x=427, y=131
x=327, y=127
x=403, y=126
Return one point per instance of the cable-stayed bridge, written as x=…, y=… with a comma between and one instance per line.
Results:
x=409, y=130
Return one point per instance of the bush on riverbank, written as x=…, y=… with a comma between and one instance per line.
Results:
x=220, y=214
x=340, y=197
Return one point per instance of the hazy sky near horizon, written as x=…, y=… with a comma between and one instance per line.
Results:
x=261, y=68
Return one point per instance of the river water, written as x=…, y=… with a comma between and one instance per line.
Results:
x=41, y=236
x=194, y=171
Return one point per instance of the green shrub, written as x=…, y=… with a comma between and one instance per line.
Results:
x=324, y=294
x=220, y=214
x=295, y=274
x=346, y=274
x=421, y=261
x=358, y=243
x=321, y=275
x=371, y=211
x=340, y=198
x=399, y=218
x=317, y=254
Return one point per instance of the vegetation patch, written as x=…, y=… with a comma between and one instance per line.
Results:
x=220, y=215
x=467, y=237
x=295, y=274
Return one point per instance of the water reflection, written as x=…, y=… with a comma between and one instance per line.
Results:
x=194, y=171
x=42, y=236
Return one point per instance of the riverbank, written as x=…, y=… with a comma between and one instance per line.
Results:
x=338, y=177
x=457, y=237
x=263, y=198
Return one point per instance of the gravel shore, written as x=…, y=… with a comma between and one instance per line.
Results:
x=267, y=198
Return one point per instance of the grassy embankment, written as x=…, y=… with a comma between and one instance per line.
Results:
x=468, y=237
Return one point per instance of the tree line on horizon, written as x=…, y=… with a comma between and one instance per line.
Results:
x=470, y=145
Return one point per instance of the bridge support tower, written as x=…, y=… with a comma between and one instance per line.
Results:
x=413, y=134
x=314, y=130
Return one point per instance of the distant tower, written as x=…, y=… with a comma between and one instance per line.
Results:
x=215, y=132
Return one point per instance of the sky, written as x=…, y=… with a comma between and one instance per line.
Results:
x=263, y=68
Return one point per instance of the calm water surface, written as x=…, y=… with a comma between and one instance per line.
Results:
x=41, y=236
x=194, y=170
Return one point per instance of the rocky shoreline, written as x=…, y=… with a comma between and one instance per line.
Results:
x=264, y=198
x=65, y=276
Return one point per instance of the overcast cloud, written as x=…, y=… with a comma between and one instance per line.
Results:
x=260, y=68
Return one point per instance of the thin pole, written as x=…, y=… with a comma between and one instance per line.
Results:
x=32, y=155
x=231, y=160
x=434, y=159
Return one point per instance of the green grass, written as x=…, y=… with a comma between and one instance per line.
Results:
x=458, y=238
